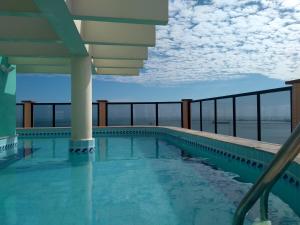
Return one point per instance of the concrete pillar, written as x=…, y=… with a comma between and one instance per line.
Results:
x=295, y=102
x=28, y=123
x=81, y=100
x=186, y=113
x=102, y=113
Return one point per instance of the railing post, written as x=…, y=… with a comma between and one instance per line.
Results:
x=216, y=115
x=131, y=114
x=102, y=113
x=258, y=102
x=234, y=115
x=201, y=124
x=295, y=102
x=28, y=114
x=156, y=114
x=53, y=115
x=186, y=113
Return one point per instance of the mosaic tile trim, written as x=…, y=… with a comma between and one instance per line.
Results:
x=86, y=146
x=248, y=156
x=257, y=159
x=8, y=144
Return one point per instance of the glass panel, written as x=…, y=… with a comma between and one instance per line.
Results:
x=42, y=116
x=225, y=116
x=95, y=115
x=195, y=115
x=208, y=116
x=246, y=117
x=63, y=115
x=144, y=114
x=19, y=115
x=275, y=117
x=169, y=114
x=119, y=114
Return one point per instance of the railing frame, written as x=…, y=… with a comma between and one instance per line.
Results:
x=157, y=122
x=156, y=105
x=258, y=95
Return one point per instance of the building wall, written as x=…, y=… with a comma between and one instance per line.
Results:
x=7, y=101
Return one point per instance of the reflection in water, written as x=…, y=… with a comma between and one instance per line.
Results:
x=80, y=204
x=102, y=143
x=54, y=148
x=28, y=149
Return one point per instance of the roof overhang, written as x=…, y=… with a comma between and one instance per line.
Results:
x=40, y=36
x=153, y=12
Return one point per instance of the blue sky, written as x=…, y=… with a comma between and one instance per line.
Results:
x=209, y=48
x=57, y=89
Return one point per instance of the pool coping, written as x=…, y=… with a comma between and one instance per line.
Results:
x=260, y=145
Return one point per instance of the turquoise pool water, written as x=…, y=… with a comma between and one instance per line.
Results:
x=145, y=180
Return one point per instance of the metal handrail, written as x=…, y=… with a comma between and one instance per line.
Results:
x=261, y=189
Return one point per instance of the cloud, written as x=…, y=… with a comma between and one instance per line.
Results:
x=218, y=39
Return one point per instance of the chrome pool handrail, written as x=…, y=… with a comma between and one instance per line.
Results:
x=261, y=189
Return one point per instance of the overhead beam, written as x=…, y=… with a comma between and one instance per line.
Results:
x=43, y=69
x=118, y=52
x=33, y=49
x=118, y=71
x=122, y=11
x=31, y=29
x=118, y=63
x=93, y=32
x=62, y=22
x=38, y=61
x=20, y=8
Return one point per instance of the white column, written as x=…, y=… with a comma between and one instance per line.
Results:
x=82, y=133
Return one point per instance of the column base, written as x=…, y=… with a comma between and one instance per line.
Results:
x=82, y=146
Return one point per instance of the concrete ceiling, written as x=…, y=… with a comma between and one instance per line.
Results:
x=40, y=36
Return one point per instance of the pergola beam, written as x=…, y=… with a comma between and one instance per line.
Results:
x=118, y=71
x=20, y=8
x=43, y=69
x=118, y=52
x=153, y=12
x=101, y=63
x=61, y=20
x=93, y=32
x=33, y=49
x=30, y=29
x=38, y=61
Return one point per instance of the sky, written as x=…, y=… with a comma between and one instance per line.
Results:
x=209, y=48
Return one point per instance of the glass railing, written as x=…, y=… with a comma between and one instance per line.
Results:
x=263, y=115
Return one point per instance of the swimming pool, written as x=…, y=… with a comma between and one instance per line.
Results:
x=154, y=176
